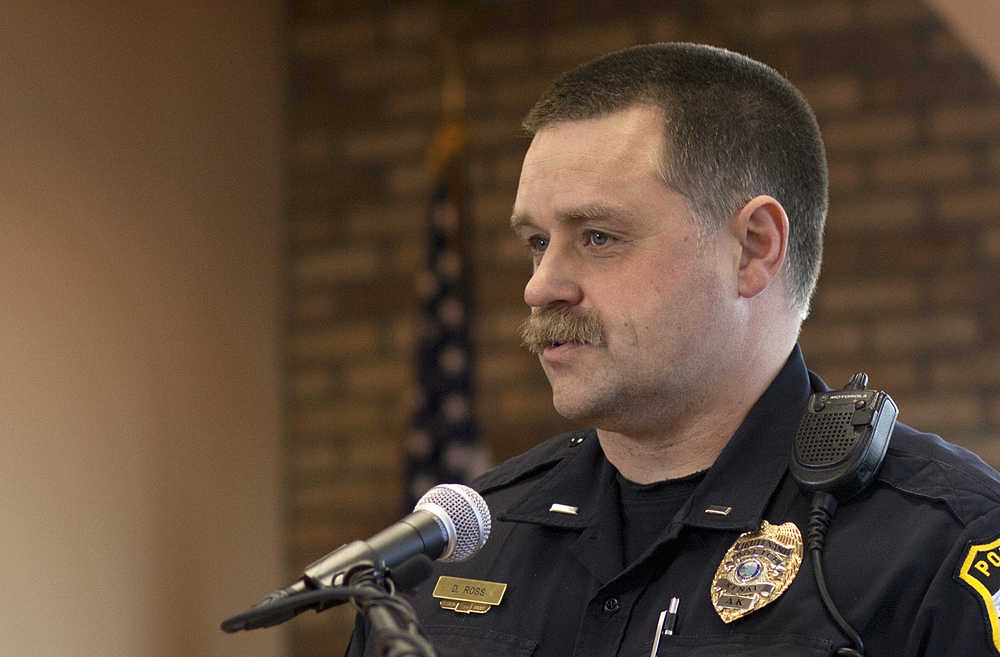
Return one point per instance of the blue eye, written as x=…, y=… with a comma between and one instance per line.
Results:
x=597, y=238
x=539, y=243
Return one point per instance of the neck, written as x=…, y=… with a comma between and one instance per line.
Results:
x=692, y=439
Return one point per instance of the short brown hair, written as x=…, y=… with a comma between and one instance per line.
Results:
x=734, y=129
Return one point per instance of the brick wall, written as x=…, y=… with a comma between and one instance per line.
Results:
x=908, y=290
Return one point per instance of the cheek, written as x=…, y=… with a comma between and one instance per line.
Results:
x=646, y=320
x=664, y=300
x=681, y=315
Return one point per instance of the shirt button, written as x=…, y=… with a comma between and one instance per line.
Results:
x=612, y=605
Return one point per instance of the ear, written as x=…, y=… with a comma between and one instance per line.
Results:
x=761, y=230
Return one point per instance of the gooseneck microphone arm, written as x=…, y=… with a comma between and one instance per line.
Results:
x=396, y=631
x=363, y=583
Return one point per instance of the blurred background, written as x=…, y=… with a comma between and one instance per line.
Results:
x=214, y=219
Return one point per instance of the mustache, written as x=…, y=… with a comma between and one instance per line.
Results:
x=560, y=325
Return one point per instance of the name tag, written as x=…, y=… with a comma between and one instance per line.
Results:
x=468, y=596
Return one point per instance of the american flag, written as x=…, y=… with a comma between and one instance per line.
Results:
x=443, y=444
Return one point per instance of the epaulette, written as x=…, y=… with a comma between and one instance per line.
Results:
x=538, y=459
x=924, y=465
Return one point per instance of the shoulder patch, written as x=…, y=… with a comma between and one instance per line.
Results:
x=981, y=571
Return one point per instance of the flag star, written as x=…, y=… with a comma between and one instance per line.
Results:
x=449, y=265
x=451, y=312
x=456, y=408
x=452, y=360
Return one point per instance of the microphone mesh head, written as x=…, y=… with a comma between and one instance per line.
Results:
x=468, y=513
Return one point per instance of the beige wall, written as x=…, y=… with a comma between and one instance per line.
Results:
x=139, y=322
x=976, y=22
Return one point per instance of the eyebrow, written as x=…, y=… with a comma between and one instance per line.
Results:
x=575, y=215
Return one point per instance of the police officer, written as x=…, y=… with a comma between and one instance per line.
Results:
x=673, y=200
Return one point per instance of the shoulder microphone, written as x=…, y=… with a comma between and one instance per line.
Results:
x=839, y=446
x=842, y=439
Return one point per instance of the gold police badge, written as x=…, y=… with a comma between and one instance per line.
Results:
x=757, y=569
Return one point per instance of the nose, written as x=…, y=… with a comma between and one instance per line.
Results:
x=554, y=280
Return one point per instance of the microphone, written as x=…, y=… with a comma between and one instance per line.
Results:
x=450, y=522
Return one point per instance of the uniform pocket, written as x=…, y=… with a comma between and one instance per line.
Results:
x=455, y=641
x=743, y=645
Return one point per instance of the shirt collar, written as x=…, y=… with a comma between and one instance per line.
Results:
x=755, y=459
x=735, y=491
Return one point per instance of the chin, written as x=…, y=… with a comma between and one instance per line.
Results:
x=576, y=409
x=568, y=408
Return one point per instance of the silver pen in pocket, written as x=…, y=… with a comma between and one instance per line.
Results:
x=665, y=626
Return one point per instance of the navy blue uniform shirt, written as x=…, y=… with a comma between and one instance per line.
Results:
x=913, y=562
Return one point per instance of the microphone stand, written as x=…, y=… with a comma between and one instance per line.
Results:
x=395, y=628
x=394, y=623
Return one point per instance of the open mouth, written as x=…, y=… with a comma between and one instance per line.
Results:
x=556, y=345
x=557, y=350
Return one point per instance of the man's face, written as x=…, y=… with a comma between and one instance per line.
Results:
x=612, y=243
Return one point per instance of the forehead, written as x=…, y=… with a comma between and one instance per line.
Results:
x=610, y=161
x=631, y=135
